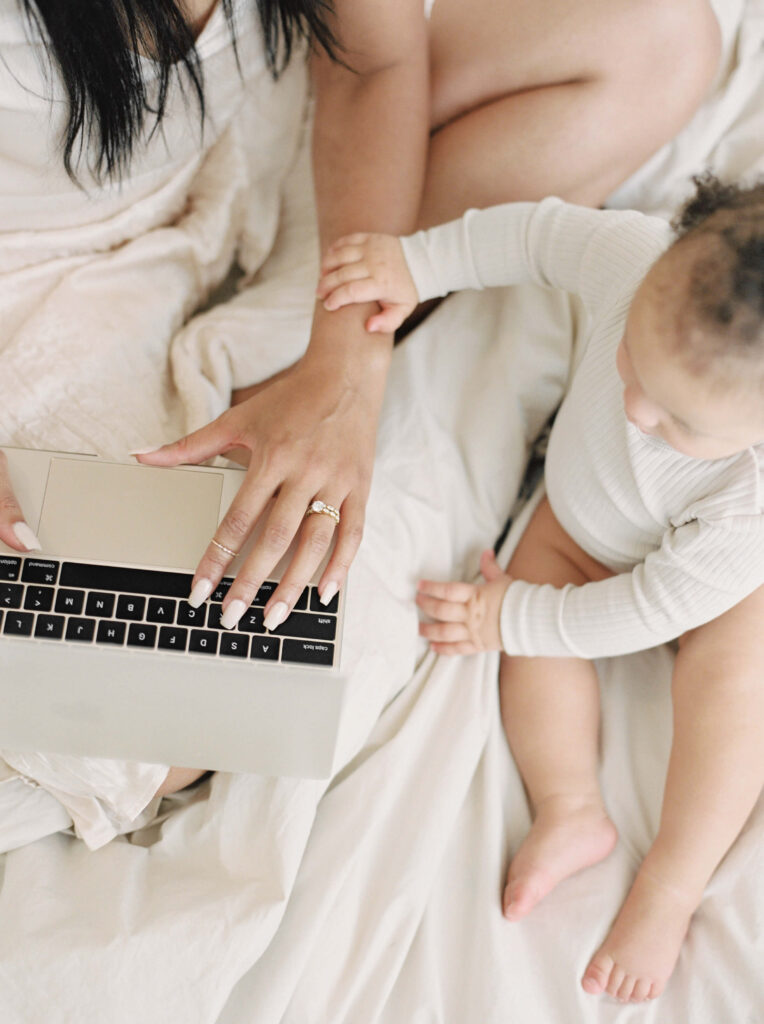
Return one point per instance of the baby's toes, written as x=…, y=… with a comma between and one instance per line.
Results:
x=597, y=975
x=626, y=988
x=641, y=990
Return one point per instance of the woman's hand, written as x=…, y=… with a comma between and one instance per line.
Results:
x=14, y=530
x=310, y=435
x=369, y=268
x=467, y=615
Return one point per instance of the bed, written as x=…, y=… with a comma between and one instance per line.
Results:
x=375, y=896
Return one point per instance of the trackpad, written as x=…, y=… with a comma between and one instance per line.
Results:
x=135, y=514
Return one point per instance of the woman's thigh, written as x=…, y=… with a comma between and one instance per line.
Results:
x=486, y=49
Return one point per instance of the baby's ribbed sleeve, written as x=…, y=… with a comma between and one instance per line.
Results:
x=700, y=571
x=591, y=253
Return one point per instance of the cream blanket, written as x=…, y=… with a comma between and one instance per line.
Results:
x=375, y=898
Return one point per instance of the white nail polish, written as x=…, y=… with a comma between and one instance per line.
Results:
x=232, y=614
x=25, y=536
x=276, y=615
x=201, y=591
x=329, y=591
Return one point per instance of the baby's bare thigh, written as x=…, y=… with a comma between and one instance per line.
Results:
x=547, y=554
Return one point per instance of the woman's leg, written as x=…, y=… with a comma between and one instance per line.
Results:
x=550, y=710
x=548, y=97
x=179, y=778
x=715, y=776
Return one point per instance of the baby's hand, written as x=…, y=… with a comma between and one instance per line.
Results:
x=466, y=614
x=369, y=268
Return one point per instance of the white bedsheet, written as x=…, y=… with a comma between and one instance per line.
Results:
x=377, y=898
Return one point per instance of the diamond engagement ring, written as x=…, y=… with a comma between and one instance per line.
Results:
x=222, y=547
x=320, y=507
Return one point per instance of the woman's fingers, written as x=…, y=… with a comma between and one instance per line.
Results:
x=281, y=525
x=14, y=531
x=215, y=438
x=315, y=537
x=349, y=535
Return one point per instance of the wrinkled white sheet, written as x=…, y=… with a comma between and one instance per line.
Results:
x=377, y=898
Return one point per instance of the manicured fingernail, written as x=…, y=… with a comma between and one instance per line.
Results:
x=201, y=591
x=145, y=451
x=329, y=591
x=232, y=614
x=276, y=615
x=25, y=536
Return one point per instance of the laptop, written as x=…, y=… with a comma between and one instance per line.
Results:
x=101, y=654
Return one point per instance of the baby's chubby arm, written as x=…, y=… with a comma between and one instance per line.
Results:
x=467, y=615
x=369, y=268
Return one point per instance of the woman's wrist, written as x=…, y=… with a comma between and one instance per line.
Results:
x=339, y=340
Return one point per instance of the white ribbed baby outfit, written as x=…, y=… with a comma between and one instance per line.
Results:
x=685, y=536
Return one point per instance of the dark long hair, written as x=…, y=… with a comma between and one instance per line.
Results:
x=95, y=45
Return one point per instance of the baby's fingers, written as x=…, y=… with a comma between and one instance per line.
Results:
x=453, y=591
x=446, y=633
x=445, y=611
x=340, y=256
x=366, y=290
x=342, y=275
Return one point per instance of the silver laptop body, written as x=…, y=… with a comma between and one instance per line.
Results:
x=101, y=655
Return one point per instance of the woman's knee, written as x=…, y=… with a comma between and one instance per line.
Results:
x=670, y=52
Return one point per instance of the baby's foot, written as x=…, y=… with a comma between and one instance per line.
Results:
x=636, y=959
x=568, y=834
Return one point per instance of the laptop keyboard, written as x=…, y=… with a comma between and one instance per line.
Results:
x=75, y=602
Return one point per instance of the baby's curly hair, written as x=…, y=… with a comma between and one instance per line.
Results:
x=725, y=296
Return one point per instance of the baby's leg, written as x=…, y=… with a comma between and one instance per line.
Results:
x=550, y=709
x=715, y=775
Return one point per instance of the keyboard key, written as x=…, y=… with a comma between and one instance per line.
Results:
x=129, y=607
x=203, y=641
x=234, y=645
x=214, y=614
x=80, y=629
x=188, y=616
x=101, y=605
x=141, y=635
x=9, y=567
x=111, y=633
x=252, y=621
x=173, y=638
x=263, y=595
x=316, y=606
x=125, y=579
x=50, y=626
x=312, y=627
x=38, y=570
x=18, y=623
x=161, y=609
x=265, y=648
x=39, y=599
x=70, y=601
x=11, y=595
x=222, y=589
x=310, y=652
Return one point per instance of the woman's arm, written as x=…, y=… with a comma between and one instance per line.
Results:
x=311, y=433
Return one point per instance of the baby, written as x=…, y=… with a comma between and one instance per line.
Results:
x=652, y=529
